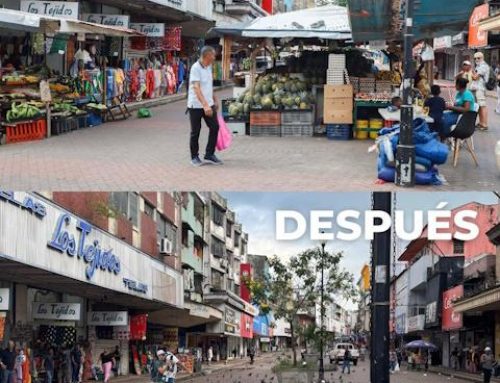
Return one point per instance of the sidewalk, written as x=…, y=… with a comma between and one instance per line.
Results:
x=460, y=374
x=206, y=370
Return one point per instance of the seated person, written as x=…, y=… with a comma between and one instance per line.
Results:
x=396, y=102
x=437, y=106
x=464, y=102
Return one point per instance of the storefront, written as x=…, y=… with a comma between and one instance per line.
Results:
x=74, y=283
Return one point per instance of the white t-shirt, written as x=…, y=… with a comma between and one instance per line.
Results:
x=483, y=70
x=204, y=76
x=172, y=361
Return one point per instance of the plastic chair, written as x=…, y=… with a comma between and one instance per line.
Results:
x=463, y=132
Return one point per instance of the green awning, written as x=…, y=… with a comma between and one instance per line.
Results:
x=381, y=19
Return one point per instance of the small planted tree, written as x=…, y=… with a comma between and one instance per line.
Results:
x=295, y=286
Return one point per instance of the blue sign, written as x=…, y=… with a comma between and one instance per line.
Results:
x=91, y=253
x=135, y=286
x=29, y=203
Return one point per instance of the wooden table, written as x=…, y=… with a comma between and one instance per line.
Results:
x=396, y=116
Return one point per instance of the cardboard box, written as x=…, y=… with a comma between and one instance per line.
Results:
x=339, y=91
x=337, y=116
x=339, y=103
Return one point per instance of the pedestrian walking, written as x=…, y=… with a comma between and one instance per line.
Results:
x=454, y=359
x=488, y=364
x=107, y=364
x=392, y=360
x=8, y=362
x=202, y=105
x=480, y=78
x=117, y=356
x=48, y=364
x=18, y=367
x=251, y=354
x=346, y=363
x=210, y=354
x=169, y=364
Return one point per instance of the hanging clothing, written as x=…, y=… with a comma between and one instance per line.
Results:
x=150, y=83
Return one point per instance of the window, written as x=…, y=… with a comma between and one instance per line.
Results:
x=218, y=215
x=218, y=248
x=458, y=246
x=127, y=204
x=164, y=229
x=199, y=209
x=185, y=237
x=229, y=229
x=149, y=209
x=217, y=280
x=237, y=237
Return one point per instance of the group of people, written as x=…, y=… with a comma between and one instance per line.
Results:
x=471, y=86
x=164, y=367
x=473, y=360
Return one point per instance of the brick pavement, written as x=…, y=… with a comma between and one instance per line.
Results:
x=153, y=154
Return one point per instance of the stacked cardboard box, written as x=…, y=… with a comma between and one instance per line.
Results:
x=338, y=104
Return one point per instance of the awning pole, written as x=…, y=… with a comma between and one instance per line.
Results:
x=405, y=158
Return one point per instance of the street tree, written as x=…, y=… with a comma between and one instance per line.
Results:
x=294, y=288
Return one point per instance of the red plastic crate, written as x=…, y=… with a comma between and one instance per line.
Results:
x=265, y=117
x=26, y=131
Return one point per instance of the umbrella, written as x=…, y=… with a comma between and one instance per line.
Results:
x=422, y=344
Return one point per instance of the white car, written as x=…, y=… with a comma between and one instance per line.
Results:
x=337, y=354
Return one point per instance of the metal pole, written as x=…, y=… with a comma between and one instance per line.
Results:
x=321, y=364
x=381, y=256
x=405, y=158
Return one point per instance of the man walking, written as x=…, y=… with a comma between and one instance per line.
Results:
x=8, y=362
x=488, y=364
x=202, y=104
x=346, y=363
x=481, y=76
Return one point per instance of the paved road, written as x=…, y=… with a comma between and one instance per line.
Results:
x=153, y=155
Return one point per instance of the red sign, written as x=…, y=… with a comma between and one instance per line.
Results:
x=246, y=326
x=138, y=326
x=267, y=5
x=246, y=274
x=451, y=319
x=478, y=38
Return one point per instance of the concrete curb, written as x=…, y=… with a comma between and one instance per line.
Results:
x=463, y=376
x=134, y=106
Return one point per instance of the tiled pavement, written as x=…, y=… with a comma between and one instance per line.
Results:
x=153, y=154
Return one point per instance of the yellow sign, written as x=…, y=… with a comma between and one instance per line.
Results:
x=365, y=278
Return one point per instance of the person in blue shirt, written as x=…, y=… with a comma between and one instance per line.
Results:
x=464, y=102
x=437, y=106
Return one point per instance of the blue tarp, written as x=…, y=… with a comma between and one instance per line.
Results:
x=378, y=19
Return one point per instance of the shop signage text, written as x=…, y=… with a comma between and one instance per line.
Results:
x=451, y=319
x=149, y=29
x=92, y=253
x=431, y=313
x=4, y=299
x=112, y=20
x=60, y=9
x=108, y=318
x=28, y=203
x=135, y=286
x=58, y=311
x=477, y=38
x=416, y=323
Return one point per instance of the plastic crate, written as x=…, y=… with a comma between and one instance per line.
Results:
x=26, y=131
x=94, y=119
x=339, y=132
x=265, y=130
x=297, y=117
x=82, y=120
x=61, y=125
x=297, y=130
x=265, y=117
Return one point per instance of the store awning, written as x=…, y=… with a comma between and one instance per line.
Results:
x=29, y=22
x=490, y=24
x=381, y=19
x=488, y=300
x=327, y=22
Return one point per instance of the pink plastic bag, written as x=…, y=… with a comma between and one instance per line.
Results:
x=225, y=137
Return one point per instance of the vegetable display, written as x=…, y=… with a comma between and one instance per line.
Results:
x=22, y=111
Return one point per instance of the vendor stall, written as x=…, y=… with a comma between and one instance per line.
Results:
x=36, y=101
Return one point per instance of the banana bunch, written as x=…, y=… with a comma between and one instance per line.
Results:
x=97, y=106
x=22, y=111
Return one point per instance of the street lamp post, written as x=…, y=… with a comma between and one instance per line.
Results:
x=322, y=314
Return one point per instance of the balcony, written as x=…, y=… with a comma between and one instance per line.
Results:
x=191, y=217
x=201, y=9
x=244, y=7
x=218, y=231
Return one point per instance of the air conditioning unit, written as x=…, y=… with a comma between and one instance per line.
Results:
x=166, y=246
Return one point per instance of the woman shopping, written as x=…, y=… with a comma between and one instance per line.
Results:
x=107, y=364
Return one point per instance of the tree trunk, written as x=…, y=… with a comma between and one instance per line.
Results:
x=294, y=344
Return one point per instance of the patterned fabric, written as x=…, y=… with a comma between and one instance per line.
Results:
x=58, y=335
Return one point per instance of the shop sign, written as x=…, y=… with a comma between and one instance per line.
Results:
x=92, y=254
x=478, y=38
x=149, y=29
x=451, y=319
x=4, y=299
x=108, y=318
x=59, y=9
x=442, y=42
x=401, y=324
x=138, y=287
x=27, y=203
x=431, y=313
x=230, y=316
x=57, y=311
x=416, y=323
x=229, y=328
x=458, y=39
x=111, y=20
x=246, y=327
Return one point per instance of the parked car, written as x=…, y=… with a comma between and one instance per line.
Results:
x=337, y=354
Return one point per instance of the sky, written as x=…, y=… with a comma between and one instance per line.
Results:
x=256, y=212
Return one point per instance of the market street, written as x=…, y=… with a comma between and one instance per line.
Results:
x=153, y=154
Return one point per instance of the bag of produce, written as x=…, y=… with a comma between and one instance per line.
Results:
x=144, y=113
x=429, y=177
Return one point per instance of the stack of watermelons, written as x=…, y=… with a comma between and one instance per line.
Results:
x=274, y=91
